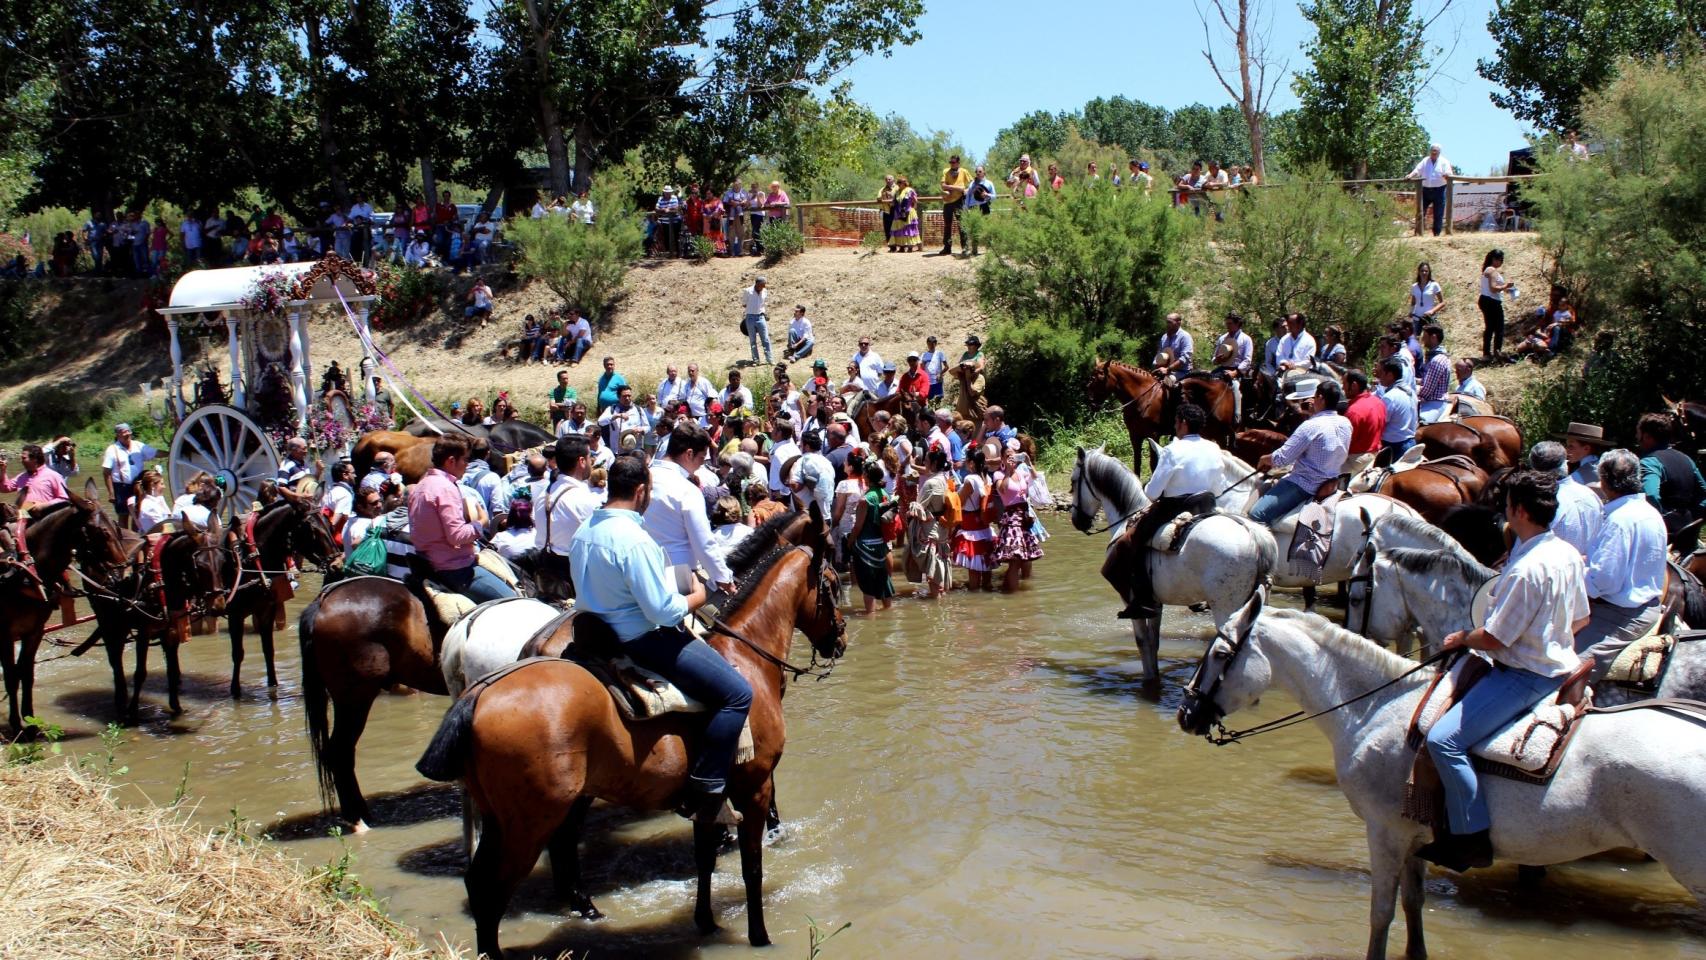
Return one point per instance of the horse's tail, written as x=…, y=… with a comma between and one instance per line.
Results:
x=447, y=754
x=314, y=706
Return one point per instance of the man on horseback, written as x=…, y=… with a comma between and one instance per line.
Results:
x=1234, y=354
x=1539, y=602
x=620, y=575
x=1174, y=354
x=1183, y=482
x=1435, y=376
x=1579, y=508
x=1626, y=567
x=675, y=512
x=1315, y=452
x=441, y=531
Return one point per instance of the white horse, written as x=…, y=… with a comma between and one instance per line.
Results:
x=490, y=638
x=1414, y=578
x=1632, y=779
x=1220, y=562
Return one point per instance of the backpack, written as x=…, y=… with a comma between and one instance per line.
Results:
x=369, y=556
x=951, y=512
x=889, y=520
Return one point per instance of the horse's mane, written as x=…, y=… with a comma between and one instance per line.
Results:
x=38, y=514
x=756, y=544
x=1444, y=553
x=1355, y=646
x=1111, y=477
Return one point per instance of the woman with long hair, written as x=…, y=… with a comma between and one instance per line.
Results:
x=1493, y=286
x=905, y=236
x=870, y=548
x=845, y=508
x=974, y=544
x=1426, y=298
x=149, y=506
x=1017, y=544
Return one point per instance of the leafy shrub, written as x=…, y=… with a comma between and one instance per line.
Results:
x=585, y=265
x=702, y=249
x=1624, y=232
x=873, y=240
x=406, y=294
x=43, y=225
x=1104, y=430
x=20, y=332
x=1086, y=272
x=1310, y=248
x=781, y=239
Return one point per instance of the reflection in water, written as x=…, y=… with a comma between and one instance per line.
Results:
x=981, y=778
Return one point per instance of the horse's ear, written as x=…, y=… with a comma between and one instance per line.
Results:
x=1670, y=404
x=190, y=526
x=1367, y=521
x=91, y=493
x=1246, y=619
x=1154, y=448
x=1080, y=453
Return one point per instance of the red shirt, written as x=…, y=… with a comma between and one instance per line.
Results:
x=422, y=215
x=444, y=213
x=919, y=383
x=1368, y=419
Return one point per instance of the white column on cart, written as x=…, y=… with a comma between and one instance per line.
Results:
x=298, y=361
x=238, y=387
x=175, y=402
x=367, y=362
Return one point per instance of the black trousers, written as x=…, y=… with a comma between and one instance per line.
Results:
x=1126, y=568
x=1434, y=197
x=951, y=214
x=1492, y=326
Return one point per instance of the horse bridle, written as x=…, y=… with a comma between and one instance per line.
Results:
x=1358, y=576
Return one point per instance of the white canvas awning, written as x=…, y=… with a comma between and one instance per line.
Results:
x=200, y=291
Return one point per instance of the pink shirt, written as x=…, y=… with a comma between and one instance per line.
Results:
x=438, y=522
x=1014, y=488
x=43, y=485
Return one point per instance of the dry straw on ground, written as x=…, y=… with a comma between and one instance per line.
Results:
x=81, y=876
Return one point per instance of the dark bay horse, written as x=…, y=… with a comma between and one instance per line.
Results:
x=364, y=635
x=536, y=745
x=1494, y=443
x=291, y=528
x=1436, y=486
x=54, y=536
x=902, y=404
x=1148, y=404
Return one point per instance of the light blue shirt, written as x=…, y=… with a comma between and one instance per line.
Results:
x=1578, y=518
x=1400, y=413
x=1316, y=452
x=1627, y=564
x=618, y=571
x=1471, y=387
x=1587, y=471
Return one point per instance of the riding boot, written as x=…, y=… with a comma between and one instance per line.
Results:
x=1142, y=591
x=1459, y=851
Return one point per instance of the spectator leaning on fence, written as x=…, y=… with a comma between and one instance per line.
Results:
x=1434, y=171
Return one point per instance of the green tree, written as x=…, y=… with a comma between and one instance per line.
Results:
x=1086, y=271
x=1311, y=248
x=1357, y=99
x=1624, y=232
x=1551, y=52
x=584, y=265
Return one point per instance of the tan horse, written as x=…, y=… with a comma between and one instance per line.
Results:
x=535, y=745
x=1148, y=404
x=969, y=401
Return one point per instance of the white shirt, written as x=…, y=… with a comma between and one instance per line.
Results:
x=568, y=504
x=676, y=519
x=1425, y=297
x=726, y=536
x=124, y=464
x=780, y=454
x=733, y=397
x=578, y=329
x=1188, y=465
x=512, y=542
x=698, y=394
x=753, y=300
x=870, y=369
x=1487, y=277
x=885, y=388
x=799, y=329
x=361, y=211
x=1298, y=350
x=538, y=211
x=1627, y=563
x=1578, y=518
x=1432, y=172
x=933, y=362
x=355, y=531
x=671, y=391
x=583, y=209
x=340, y=499
x=1534, y=602
x=151, y=512
x=185, y=508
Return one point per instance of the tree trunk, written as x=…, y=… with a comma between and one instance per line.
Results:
x=323, y=111
x=429, y=183
x=584, y=147
x=549, y=119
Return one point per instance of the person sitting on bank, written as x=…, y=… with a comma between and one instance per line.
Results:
x=440, y=529
x=1625, y=567
x=1183, y=482
x=1315, y=453
x=620, y=575
x=1538, y=603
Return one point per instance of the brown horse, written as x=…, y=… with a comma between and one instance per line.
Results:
x=414, y=454
x=535, y=745
x=902, y=404
x=364, y=635
x=1435, y=487
x=1148, y=404
x=1254, y=444
x=969, y=401
x=54, y=536
x=1494, y=443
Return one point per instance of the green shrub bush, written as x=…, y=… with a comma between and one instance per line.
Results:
x=584, y=265
x=702, y=249
x=780, y=239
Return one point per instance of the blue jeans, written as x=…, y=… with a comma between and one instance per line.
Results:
x=1499, y=698
x=474, y=582
x=578, y=349
x=704, y=675
x=1279, y=501
x=799, y=351
x=757, y=327
x=935, y=389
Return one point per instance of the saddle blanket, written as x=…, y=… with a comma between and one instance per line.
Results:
x=1642, y=663
x=1312, y=541
x=1171, y=537
x=1529, y=749
x=451, y=607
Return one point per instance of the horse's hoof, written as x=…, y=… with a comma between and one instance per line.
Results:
x=758, y=938
x=583, y=906
x=360, y=827
x=236, y=690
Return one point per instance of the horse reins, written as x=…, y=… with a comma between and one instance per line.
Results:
x=1222, y=736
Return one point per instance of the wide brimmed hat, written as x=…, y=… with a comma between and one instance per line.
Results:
x=1482, y=602
x=1303, y=389
x=1591, y=433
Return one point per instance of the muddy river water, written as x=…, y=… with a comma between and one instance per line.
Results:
x=980, y=778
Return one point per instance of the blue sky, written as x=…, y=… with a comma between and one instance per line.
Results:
x=981, y=64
